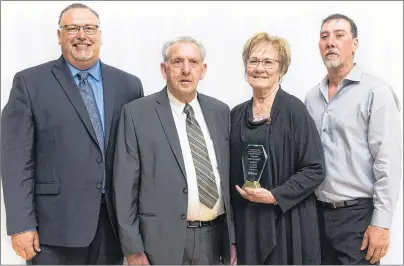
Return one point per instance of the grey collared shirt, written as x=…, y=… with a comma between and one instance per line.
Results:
x=361, y=135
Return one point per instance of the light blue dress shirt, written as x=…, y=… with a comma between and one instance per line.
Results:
x=361, y=135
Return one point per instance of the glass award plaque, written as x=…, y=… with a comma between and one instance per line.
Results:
x=254, y=159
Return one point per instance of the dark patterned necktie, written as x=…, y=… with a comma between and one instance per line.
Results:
x=87, y=93
x=208, y=194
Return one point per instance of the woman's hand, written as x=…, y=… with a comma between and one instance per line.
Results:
x=259, y=195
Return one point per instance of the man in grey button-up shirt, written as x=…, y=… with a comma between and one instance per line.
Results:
x=358, y=118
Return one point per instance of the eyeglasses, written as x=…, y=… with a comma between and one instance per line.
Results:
x=179, y=63
x=74, y=29
x=267, y=63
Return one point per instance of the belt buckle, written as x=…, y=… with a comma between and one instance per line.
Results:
x=194, y=226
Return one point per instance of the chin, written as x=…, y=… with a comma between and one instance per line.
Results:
x=83, y=57
x=332, y=64
x=260, y=86
x=187, y=90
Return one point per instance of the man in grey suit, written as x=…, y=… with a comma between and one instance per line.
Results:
x=57, y=146
x=171, y=170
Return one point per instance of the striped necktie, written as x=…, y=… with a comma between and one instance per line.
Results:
x=208, y=194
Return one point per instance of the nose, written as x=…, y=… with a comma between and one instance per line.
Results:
x=330, y=41
x=81, y=34
x=260, y=67
x=186, y=68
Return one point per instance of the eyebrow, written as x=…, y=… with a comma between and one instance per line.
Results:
x=264, y=58
x=337, y=30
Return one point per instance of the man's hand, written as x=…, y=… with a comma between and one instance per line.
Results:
x=260, y=195
x=377, y=240
x=139, y=258
x=26, y=245
x=233, y=255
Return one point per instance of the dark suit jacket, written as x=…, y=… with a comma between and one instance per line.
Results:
x=51, y=164
x=150, y=186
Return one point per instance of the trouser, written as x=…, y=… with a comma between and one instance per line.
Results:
x=203, y=244
x=105, y=248
x=341, y=231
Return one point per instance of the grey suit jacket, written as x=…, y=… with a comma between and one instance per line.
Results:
x=51, y=164
x=150, y=186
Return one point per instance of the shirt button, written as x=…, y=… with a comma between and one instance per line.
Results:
x=183, y=216
x=99, y=160
x=326, y=110
x=324, y=130
x=99, y=185
x=185, y=190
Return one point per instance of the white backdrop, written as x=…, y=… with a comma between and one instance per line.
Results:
x=134, y=32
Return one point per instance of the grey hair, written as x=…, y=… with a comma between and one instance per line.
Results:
x=354, y=28
x=76, y=5
x=183, y=39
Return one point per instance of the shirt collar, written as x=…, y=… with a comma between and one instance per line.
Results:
x=94, y=71
x=178, y=106
x=354, y=75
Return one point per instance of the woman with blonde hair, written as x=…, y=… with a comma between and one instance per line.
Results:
x=276, y=164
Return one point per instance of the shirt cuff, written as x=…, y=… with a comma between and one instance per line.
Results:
x=381, y=219
x=29, y=230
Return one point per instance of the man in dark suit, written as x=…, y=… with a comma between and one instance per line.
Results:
x=57, y=149
x=171, y=169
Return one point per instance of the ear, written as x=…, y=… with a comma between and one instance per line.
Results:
x=355, y=44
x=163, y=69
x=59, y=36
x=100, y=38
x=204, y=68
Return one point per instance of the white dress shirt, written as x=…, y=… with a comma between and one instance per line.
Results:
x=196, y=210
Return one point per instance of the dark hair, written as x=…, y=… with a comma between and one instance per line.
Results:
x=354, y=29
x=76, y=5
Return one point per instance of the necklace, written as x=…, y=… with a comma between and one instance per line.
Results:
x=257, y=112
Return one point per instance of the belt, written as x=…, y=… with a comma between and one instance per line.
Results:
x=196, y=224
x=336, y=205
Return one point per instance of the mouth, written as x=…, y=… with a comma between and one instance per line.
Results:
x=185, y=81
x=257, y=77
x=81, y=45
x=330, y=54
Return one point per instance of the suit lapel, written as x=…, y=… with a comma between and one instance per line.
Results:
x=210, y=118
x=165, y=115
x=109, y=86
x=66, y=81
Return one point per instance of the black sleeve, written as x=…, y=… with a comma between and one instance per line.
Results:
x=309, y=159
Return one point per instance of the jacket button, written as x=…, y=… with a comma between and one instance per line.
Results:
x=99, y=160
x=183, y=216
x=99, y=185
x=185, y=190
